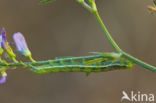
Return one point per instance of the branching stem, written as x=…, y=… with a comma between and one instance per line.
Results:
x=90, y=6
x=109, y=37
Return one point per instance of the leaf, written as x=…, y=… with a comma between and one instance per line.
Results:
x=46, y=1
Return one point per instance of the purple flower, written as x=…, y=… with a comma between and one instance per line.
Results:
x=5, y=45
x=1, y=49
x=21, y=44
x=0, y=40
x=4, y=40
x=3, y=78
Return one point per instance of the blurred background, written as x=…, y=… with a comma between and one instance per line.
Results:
x=64, y=28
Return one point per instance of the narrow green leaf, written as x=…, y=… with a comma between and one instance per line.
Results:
x=46, y=1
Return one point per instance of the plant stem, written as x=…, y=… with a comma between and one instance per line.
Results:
x=25, y=63
x=107, y=34
x=114, y=44
x=139, y=62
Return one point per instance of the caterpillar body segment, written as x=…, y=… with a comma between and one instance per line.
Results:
x=87, y=64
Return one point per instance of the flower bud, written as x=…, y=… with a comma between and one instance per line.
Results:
x=21, y=45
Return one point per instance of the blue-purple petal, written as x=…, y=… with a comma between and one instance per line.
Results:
x=20, y=42
x=3, y=33
x=0, y=41
x=4, y=40
x=3, y=78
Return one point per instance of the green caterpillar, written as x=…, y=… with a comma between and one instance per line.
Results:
x=101, y=62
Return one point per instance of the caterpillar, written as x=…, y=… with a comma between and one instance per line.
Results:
x=101, y=62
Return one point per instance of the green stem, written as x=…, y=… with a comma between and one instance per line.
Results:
x=114, y=44
x=82, y=2
x=25, y=63
x=139, y=62
x=107, y=34
x=36, y=63
x=30, y=57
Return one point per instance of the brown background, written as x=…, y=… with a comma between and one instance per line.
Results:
x=64, y=28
